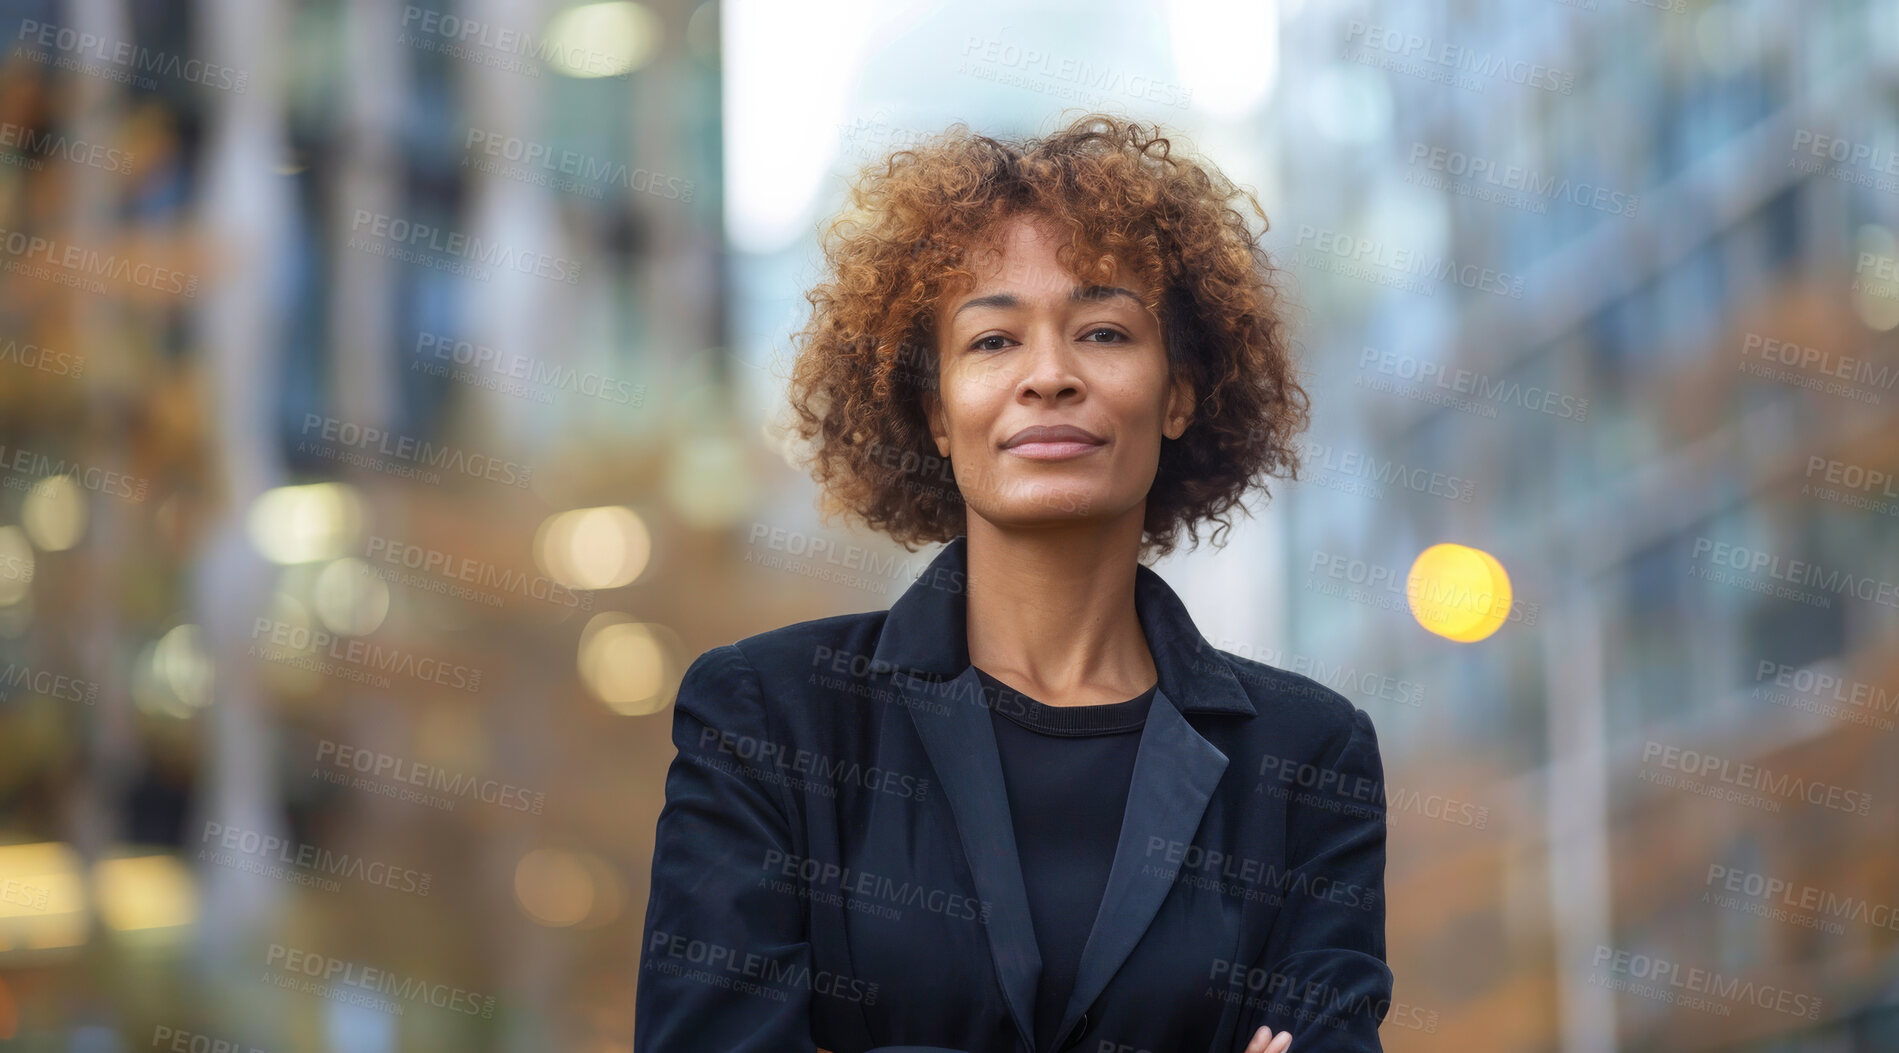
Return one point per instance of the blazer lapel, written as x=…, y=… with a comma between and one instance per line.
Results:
x=962, y=747
x=1175, y=772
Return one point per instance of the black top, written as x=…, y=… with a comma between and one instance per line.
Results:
x=1067, y=770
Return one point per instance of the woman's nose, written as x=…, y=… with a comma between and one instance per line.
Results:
x=1048, y=369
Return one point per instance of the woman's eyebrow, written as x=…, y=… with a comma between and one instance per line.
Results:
x=1102, y=292
x=1079, y=294
x=1004, y=300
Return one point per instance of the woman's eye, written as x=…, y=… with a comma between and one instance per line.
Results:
x=1116, y=333
x=982, y=344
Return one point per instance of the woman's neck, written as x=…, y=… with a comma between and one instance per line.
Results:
x=1051, y=610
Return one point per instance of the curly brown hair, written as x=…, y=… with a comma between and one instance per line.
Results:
x=866, y=360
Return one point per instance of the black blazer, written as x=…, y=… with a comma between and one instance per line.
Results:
x=835, y=864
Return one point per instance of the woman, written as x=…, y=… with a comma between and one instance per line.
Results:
x=1028, y=808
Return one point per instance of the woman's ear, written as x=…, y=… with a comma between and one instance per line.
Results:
x=1180, y=406
x=939, y=427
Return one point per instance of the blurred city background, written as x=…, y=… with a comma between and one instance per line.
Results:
x=384, y=402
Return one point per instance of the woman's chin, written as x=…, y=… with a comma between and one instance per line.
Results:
x=1044, y=504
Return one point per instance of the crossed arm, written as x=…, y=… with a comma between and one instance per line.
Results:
x=1325, y=981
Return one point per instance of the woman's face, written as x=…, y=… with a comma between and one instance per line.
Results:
x=1052, y=397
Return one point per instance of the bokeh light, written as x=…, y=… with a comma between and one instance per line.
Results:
x=303, y=524
x=54, y=513
x=1458, y=592
x=631, y=666
x=607, y=39
x=350, y=597
x=17, y=566
x=593, y=548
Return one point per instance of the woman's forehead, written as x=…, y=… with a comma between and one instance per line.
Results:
x=1036, y=275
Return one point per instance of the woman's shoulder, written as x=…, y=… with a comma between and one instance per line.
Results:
x=792, y=653
x=795, y=649
x=758, y=685
x=1294, y=701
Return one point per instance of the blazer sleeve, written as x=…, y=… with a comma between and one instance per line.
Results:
x=1326, y=979
x=725, y=958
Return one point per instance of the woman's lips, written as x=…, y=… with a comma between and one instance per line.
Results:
x=1054, y=450
x=1053, y=442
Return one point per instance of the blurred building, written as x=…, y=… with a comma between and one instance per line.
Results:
x=1558, y=256
x=311, y=667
